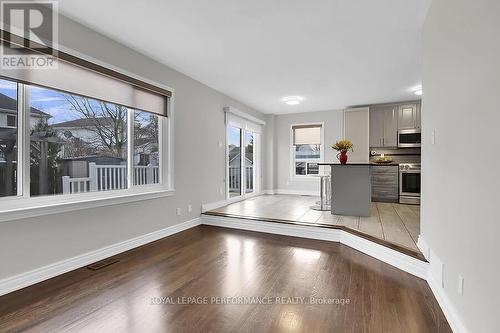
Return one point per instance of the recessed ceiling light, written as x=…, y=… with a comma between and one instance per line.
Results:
x=292, y=100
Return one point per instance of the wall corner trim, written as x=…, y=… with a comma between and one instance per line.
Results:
x=26, y=279
x=423, y=247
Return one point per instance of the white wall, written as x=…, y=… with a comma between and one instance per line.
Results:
x=460, y=190
x=199, y=169
x=332, y=132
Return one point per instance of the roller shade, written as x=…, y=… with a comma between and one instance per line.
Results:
x=307, y=135
x=81, y=77
x=239, y=119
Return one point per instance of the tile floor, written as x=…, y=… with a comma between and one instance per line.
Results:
x=392, y=222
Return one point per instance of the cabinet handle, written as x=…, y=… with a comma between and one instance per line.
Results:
x=383, y=141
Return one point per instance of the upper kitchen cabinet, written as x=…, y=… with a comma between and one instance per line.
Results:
x=384, y=126
x=409, y=116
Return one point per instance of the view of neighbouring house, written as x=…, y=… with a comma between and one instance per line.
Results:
x=76, y=144
x=235, y=170
x=8, y=138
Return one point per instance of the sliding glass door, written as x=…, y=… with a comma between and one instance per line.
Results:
x=241, y=162
x=249, y=162
x=234, y=161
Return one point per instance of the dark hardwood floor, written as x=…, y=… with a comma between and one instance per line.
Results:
x=211, y=262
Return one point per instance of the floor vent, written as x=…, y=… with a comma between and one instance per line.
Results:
x=101, y=264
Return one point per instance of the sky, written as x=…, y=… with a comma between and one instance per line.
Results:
x=234, y=136
x=46, y=100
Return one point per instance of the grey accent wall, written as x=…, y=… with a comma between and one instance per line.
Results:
x=333, y=124
x=461, y=84
x=199, y=168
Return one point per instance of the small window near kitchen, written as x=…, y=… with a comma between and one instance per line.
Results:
x=307, y=149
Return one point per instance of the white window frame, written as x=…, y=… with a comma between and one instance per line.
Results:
x=23, y=206
x=293, y=160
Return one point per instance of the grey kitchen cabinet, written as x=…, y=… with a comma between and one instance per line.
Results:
x=383, y=126
x=409, y=116
x=376, y=127
x=390, y=127
x=419, y=116
x=385, y=183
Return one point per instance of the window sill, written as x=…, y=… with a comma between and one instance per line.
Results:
x=18, y=208
x=304, y=178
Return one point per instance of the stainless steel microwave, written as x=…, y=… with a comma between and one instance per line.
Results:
x=409, y=138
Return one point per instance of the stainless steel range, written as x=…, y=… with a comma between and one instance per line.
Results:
x=409, y=183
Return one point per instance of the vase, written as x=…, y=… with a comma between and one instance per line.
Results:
x=342, y=157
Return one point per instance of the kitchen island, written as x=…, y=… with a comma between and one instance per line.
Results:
x=351, y=192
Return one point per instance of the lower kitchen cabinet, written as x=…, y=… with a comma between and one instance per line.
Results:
x=385, y=183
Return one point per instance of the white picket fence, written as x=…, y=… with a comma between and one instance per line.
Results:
x=109, y=177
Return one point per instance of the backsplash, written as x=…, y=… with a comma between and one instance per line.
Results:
x=401, y=155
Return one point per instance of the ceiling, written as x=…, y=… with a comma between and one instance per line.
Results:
x=334, y=53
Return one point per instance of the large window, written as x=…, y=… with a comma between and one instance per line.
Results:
x=74, y=144
x=306, y=149
x=8, y=138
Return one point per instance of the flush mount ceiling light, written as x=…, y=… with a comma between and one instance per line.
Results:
x=292, y=100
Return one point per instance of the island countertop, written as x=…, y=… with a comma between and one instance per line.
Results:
x=358, y=164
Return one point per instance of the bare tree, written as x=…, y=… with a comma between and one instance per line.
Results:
x=107, y=120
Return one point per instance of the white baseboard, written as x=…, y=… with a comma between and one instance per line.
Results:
x=397, y=259
x=392, y=257
x=17, y=282
x=449, y=311
x=406, y=263
x=269, y=192
x=297, y=192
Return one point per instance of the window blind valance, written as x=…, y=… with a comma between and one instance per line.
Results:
x=242, y=120
x=307, y=135
x=78, y=76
